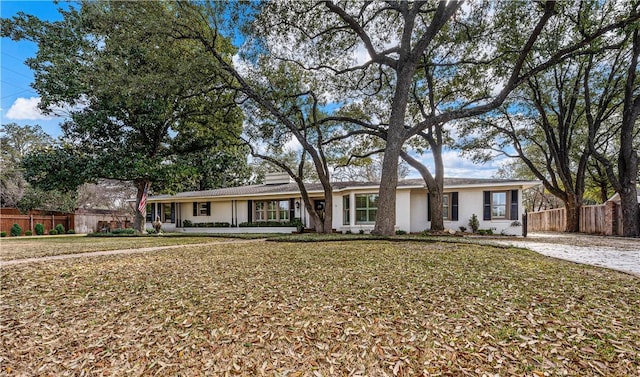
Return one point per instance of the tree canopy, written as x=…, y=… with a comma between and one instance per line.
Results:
x=135, y=94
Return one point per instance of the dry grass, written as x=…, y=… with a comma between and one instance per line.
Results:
x=359, y=308
x=33, y=247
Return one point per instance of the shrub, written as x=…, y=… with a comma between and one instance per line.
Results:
x=267, y=224
x=53, y=232
x=71, y=231
x=124, y=231
x=474, y=223
x=400, y=232
x=28, y=233
x=3, y=234
x=187, y=223
x=361, y=231
x=151, y=231
x=15, y=230
x=463, y=228
x=485, y=232
x=60, y=229
x=39, y=228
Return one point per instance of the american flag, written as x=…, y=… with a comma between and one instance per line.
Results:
x=142, y=207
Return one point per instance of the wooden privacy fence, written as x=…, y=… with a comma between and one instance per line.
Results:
x=82, y=221
x=28, y=222
x=549, y=220
x=603, y=219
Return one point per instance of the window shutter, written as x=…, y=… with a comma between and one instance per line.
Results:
x=487, y=205
x=292, y=209
x=454, y=206
x=154, y=212
x=428, y=207
x=208, y=208
x=195, y=209
x=514, y=205
x=173, y=212
x=250, y=211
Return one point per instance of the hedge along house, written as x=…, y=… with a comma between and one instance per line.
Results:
x=276, y=206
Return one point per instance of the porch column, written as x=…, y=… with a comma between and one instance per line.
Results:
x=352, y=209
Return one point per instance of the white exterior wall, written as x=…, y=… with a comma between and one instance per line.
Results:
x=403, y=210
x=336, y=220
x=471, y=201
x=418, y=211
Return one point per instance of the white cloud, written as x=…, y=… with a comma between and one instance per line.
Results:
x=460, y=167
x=26, y=109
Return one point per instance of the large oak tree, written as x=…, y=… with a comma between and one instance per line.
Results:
x=130, y=88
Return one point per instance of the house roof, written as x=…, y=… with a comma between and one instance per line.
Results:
x=616, y=196
x=315, y=188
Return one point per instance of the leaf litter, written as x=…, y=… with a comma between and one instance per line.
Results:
x=368, y=308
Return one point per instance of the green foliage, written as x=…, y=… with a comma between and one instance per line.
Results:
x=189, y=224
x=3, y=234
x=123, y=231
x=15, y=143
x=39, y=228
x=151, y=231
x=53, y=232
x=60, y=229
x=474, y=223
x=400, y=232
x=463, y=228
x=259, y=224
x=71, y=231
x=15, y=230
x=28, y=233
x=54, y=200
x=147, y=99
x=485, y=232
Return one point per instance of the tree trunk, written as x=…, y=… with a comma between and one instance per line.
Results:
x=435, y=201
x=630, y=211
x=140, y=218
x=386, y=213
x=572, y=209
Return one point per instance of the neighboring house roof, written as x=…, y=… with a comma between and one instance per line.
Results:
x=292, y=188
x=616, y=197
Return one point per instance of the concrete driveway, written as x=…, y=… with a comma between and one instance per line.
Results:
x=617, y=253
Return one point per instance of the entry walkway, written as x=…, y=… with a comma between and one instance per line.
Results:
x=118, y=252
x=617, y=253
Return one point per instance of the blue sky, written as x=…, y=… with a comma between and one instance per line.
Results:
x=18, y=98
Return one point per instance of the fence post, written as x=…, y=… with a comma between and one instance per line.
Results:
x=31, y=222
x=524, y=223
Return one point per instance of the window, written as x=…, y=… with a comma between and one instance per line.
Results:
x=366, y=208
x=167, y=213
x=261, y=214
x=201, y=209
x=283, y=208
x=272, y=210
x=446, y=207
x=345, y=210
x=272, y=213
x=498, y=205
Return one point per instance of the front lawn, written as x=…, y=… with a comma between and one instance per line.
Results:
x=357, y=308
x=33, y=247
